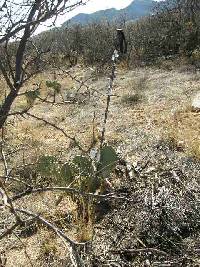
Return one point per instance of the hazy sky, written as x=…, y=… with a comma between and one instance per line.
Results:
x=90, y=7
x=94, y=5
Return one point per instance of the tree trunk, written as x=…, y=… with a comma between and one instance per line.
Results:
x=5, y=108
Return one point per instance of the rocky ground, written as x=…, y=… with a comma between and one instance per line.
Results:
x=156, y=132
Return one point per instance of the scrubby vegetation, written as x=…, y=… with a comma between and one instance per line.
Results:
x=170, y=34
x=97, y=172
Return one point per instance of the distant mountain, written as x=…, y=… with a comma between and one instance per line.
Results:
x=137, y=9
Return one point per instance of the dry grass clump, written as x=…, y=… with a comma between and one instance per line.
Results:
x=165, y=214
x=165, y=64
x=52, y=251
x=184, y=131
x=48, y=248
x=172, y=214
x=131, y=99
x=140, y=83
x=85, y=231
x=135, y=91
x=180, y=63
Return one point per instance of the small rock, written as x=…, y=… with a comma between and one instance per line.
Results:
x=196, y=102
x=147, y=263
x=150, y=170
x=180, y=146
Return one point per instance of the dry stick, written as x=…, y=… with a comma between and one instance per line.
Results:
x=69, y=190
x=111, y=80
x=21, y=166
x=9, y=230
x=8, y=59
x=14, y=179
x=93, y=142
x=8, y=202
x=12, y=152
x=75, y=257
x=3, y=154
x=57, y=103
x=141, y=250
x=57, y=128
x=82, y=83
x=93, y=130
x=5, y=75
x=5, y=196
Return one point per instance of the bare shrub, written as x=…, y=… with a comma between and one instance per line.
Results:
x=132, y=99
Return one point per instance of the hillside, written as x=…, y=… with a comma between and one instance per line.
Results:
x=137, y=9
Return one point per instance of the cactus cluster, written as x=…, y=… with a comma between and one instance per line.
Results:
x=86, y=173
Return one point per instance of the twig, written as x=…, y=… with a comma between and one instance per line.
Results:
x=14, y=179
x=57, y=103
x=12, y=152
x=141, y=250
x=94, y=137
x=20, y=113
x=9, y=230
x=69, y=190
x=75, y=257
x=57, y=128
x=82, y=83
x=7, y=202
x=3, y=154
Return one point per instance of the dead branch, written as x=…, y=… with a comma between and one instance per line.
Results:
x=3, y=154
x=7, y=178
x=7, y=202
x=141, y=250
x=36, y=12
x=70, y=190
x=71, y=244
x=81, y=83
x=57, y=128
x=9, y=230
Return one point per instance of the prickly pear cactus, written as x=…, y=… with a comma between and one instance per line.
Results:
x=86, y=174
x=82, y=166
x=47, y=166
x=66, y=174
x=108, y=161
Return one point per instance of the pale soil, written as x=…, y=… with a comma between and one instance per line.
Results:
x=137, y=129
x=163, y=110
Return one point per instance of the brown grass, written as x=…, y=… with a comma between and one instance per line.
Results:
x=163, y=113
x=184, y=129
